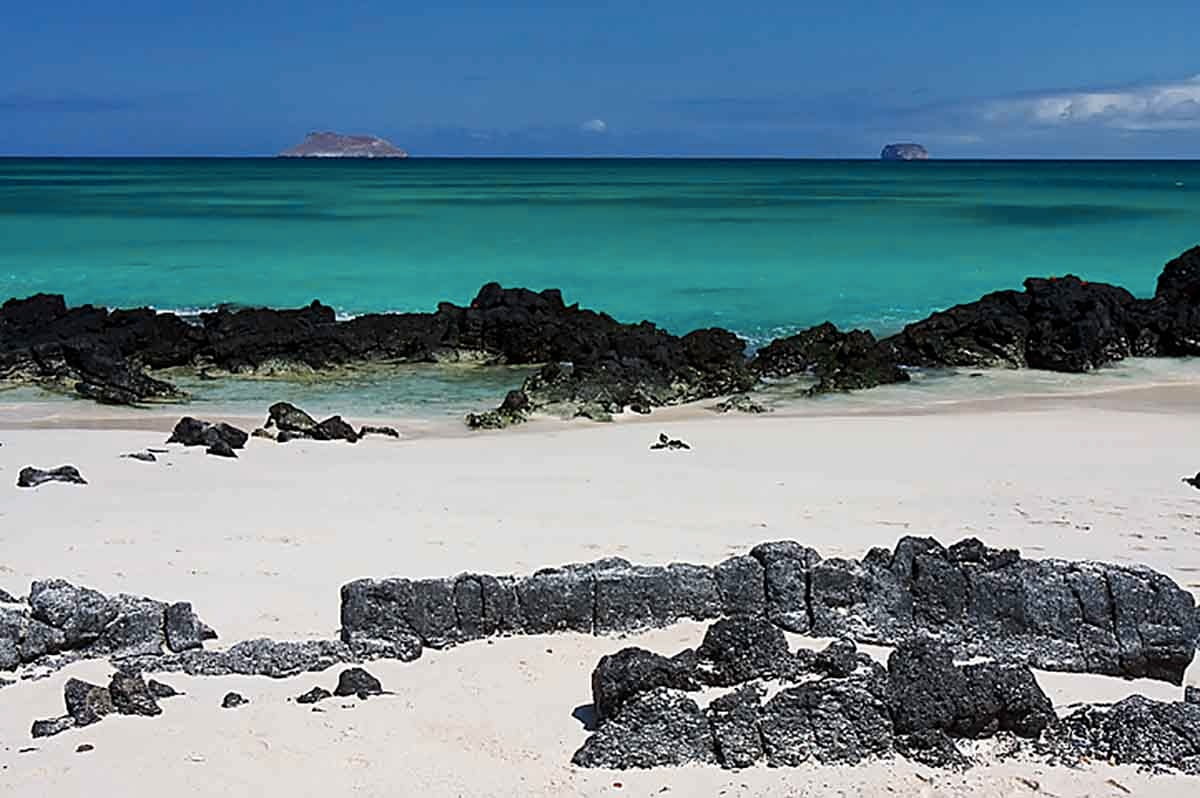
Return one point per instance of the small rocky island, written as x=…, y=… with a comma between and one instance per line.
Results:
x=906, y=151
x=326, y=144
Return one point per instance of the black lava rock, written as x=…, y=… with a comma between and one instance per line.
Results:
x=356, y=681
x=31, y=477
x=233, y=700
x=631, y=671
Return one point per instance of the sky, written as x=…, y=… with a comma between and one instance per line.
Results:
x=1021, y=78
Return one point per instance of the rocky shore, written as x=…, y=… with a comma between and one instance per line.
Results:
x=937, y=606
x=590, y=364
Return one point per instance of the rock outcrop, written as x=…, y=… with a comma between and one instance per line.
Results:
x=63, y=621
x=1049, y=614
x=835, y=707
x=327, y=144
x=589, y=364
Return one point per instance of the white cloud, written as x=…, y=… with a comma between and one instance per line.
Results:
x=1173, y=105
x=594, y=126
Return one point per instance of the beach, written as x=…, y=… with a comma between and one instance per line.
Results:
x=260, y=546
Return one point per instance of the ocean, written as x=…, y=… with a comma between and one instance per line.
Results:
x=763, y=248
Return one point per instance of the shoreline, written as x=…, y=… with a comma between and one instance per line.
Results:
x=68, y=413
x=261, y=545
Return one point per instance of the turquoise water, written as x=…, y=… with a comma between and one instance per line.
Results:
x=756, y=246
x=760, y=247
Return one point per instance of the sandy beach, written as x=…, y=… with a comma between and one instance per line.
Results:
x=260, y=545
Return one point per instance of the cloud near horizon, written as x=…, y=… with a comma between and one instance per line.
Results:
x=1159, y=106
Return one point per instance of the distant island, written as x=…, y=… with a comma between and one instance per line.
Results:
x=904, y=152
x=326, y=144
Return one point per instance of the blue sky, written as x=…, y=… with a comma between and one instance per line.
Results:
x=1022, y=78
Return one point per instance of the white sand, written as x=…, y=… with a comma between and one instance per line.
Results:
x=261, y=545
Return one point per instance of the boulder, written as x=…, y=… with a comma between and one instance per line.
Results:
x=738, y=649
x=81, y=614
x=1135, y=731
x=932, y=747
x=633, y=671
x=832, y=722
x=51, y=726
x=840, y=361
x=335, y=429
x=928, y=691
x=218, y=438
x=313, y=696
x=160, y=690
x=233, y=701
x=132, y=696
x=184, y=629
x=356, y=681
x=785, y=575
x=31, y=477
x=734, y=719
x=655, y=729
x=87, y=703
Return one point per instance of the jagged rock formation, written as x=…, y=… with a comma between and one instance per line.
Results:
x=841, y=707
x=1050, y=614
x=1136, y=731
x=327, y=144
x=840, y=361
x=79, y=623
x=906, y=151
x=592, y=365
x=218, y=439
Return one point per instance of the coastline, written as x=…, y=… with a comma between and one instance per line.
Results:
x=260, y=545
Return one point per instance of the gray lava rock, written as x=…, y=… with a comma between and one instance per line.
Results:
x=131, y=695
x=313, y=696
x=160, y=690
x=262, y=657
x=785, y=572
x=736, y=650
x=87, y=703
x=632, y=671
x=734, y=719
x=356, y=681
x=1135, y=731
x=31, y=477
x=137, y=629
x=233, y=700
x=742, y=585
x=1191, y=695
x=184, y=629
x=7, y=598
x=832, y=722
x=52, y=726
x=25, y=639
x=928, y=691
x=79, y=612
x=144, y=457
x=654, y=729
